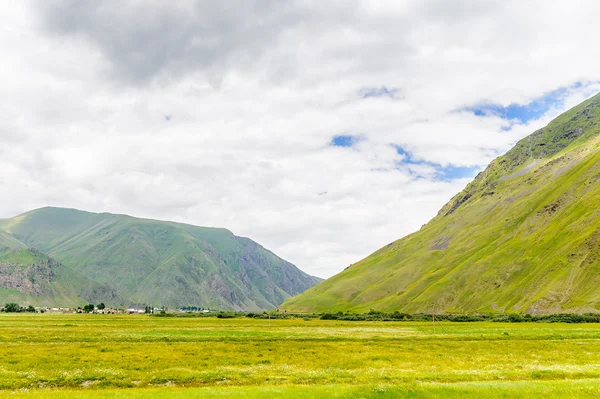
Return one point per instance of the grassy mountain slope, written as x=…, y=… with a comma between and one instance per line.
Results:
x=162, y=263
x=9, y=242
x=28, y=276
x=523, y=236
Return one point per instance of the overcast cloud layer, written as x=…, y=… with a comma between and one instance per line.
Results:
x=226, y=113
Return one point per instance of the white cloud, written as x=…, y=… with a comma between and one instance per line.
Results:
x=256, y=94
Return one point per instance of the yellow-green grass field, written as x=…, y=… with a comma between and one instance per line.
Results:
x=108, y=356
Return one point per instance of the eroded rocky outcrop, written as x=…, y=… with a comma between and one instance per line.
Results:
x=33, y=279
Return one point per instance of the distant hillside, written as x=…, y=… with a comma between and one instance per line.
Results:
x=162, y=263
x=524, y=236
x=29, y=277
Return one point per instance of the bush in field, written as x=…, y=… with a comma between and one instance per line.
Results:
x=400, y=316
x=12, y=308
x=226, y=315
x=89, y=308
x=30, y=309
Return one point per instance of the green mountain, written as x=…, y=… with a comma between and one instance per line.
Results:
x=162, y=263
x=27, y=276
x=523, y=236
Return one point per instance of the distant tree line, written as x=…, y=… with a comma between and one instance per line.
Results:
x=234, y=314
x=15, y=308
x=499, y=318
x=400, y=316
x=372, y=315
x=192, y=308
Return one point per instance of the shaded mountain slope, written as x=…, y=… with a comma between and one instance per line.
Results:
x=28, y=276
x=162, y=263
x=524, y=236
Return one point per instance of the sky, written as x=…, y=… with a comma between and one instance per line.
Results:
x=321, y=130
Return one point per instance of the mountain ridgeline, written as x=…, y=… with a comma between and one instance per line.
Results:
x=139, y=261
x=523, y=236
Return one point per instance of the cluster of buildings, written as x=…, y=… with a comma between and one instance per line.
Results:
x=42, y=309
x=132, y=310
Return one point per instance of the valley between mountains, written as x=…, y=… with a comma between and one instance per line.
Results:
x=523, y=236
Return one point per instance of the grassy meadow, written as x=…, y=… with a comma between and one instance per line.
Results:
x=109, y=356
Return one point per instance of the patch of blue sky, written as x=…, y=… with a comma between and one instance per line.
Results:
x=457, y=172
x=442, y=172
x=344, y=140
x=523, y=113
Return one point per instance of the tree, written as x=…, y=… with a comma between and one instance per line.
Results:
x=101, y=306
x=30, y=309
x=89, y=308
x=12, y=308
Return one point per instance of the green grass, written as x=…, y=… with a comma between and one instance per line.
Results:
x=20, y=258
x=59, y=356
x=8, y=242
x=529, y=243
x=490, y=390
